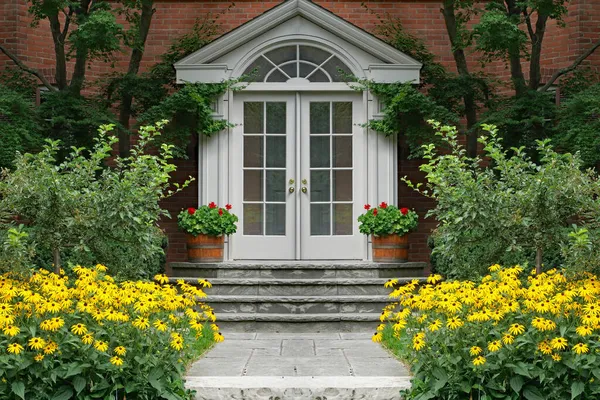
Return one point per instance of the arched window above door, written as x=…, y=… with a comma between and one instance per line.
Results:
x=297, y=61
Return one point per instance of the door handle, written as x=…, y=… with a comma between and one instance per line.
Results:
x=291, y=189
x=304, y=188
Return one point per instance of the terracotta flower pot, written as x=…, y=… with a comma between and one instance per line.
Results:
x=205, y=248
x=390, y=248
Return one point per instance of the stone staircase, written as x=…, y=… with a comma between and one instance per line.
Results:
x=297, y=296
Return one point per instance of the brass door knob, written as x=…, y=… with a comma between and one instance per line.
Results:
x=291, y=190
x=304, y=189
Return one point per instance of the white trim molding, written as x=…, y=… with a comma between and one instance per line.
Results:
x=298, y=21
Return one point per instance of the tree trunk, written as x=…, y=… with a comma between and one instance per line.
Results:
x=59, y=52
x=78, y=77
x=538, y=260
x=462, y=67
x=514, y=54
x=56, y=257
x=134, y=66
x=536, y=52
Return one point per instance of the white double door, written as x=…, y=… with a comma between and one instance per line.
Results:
x=298, y=176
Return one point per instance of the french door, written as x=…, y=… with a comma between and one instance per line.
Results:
x=298, y=176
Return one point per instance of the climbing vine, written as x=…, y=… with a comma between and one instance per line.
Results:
x=190, y=112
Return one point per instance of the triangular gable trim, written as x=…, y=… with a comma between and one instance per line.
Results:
x=312, y=12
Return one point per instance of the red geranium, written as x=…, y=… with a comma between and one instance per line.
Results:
x=383, y=205
x=374, y=211
x=220, y=211
x=212, y=204
x=367, y=206
x=191, y=210
x=228, y=207
x=404, y=210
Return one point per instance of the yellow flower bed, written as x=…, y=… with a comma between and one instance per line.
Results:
x=509, y=336
x=89, y=335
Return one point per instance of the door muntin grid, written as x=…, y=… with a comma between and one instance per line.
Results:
x=297, y=61
x=264, y=168
x=331, y=168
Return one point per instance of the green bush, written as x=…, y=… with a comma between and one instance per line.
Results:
x=503, y=206
x=83, y=211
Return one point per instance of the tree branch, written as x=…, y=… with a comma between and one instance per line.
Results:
x=68, y=18
x=529, y=27
x=25, y=68
x=571, y=67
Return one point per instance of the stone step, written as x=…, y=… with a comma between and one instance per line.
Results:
x=297, y=270
x=274, y=322
x=298, y=387
x=297, y=304
x=297, y=287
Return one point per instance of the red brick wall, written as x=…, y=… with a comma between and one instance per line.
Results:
x=173, y=18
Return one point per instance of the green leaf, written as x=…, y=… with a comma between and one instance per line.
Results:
x=78, y=384
x=516, y=383
x=576, y=389
x=18, y=388
x=532, y=393
x=154, y=379
x=65, y=393
x=520, y=368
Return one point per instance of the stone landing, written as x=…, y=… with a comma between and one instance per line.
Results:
x=299, y=366
x=297, y=296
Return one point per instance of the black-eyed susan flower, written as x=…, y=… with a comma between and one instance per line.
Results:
x=101, y=345
x=494, y=345
x=161, y=278
x=116, y=360
x=580, y=348
x=584, y=330
x=454, y=323
x=88, y=338
x=141, y=323
x=516, y=329
x=36, y=343
x=559, y=343
x=508, y=339
x=39, y=357
x=475, y=350
x=120, y=350
x=218, y=337
x=11, y=330
x=14, y=348
x=79, y=329
x=479, y=361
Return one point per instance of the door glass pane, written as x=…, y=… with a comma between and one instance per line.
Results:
x=319, y=76
x=257, y=71
x=342, y=219
x=276, y=117
x=333, y=67
x=342, y=185
x=342, y=117
x=275, y=185
x=319, y=151
x=342, y=151
x=253, y=219
x=276, y=151
x=253, y=117
x=275, y=219
x=319, y=186
x=253, y=185
x=306, y=69
x=320, y=219
x=313, y=54
x=319, y=117
x=277, y=76
x=253, y=151
x=290, y=69
x=282, y=54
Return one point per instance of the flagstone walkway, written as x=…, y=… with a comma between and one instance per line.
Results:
x=299, y=366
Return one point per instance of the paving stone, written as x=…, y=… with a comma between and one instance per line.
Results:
x=306, y=335
x=217, y=367
x=322, y=366
x=365, y=352
x=376, y=366
x=297, y=347
x=239, y=335
x=356, y=335
x=270, y=366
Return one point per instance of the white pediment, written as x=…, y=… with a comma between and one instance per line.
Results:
x=298, y=22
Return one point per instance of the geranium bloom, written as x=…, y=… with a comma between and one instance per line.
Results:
x=404, y=210
x=220, y=211
x=212, y=204
x=367, y=206
x=191, y=210
x=383, y=205
x=374, y=211
x=228, y=207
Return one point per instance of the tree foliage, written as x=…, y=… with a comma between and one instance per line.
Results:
x=515, y=209
x=87, y=212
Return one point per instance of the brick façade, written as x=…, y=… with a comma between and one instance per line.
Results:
x=422, y=18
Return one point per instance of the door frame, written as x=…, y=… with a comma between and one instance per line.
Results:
x=216, y=158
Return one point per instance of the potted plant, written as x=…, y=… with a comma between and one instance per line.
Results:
x=206, y=228
x=389, y=227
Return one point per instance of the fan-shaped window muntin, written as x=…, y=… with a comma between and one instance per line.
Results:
x=297, y=61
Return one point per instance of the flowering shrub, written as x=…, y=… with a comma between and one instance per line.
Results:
x=90, y=337
x=504, y=338
x=387, y=220
x=209, y=220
